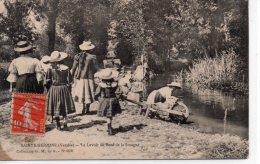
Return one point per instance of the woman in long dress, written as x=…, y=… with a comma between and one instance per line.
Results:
x=83, y=70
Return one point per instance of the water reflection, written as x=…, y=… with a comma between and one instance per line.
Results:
x=212, y=111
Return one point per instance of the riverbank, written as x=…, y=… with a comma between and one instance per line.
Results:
x=136, y=138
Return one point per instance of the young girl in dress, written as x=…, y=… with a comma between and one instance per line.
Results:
x=109, y=104
x=58, y=79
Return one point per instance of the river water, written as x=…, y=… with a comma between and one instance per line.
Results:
x=212, y=112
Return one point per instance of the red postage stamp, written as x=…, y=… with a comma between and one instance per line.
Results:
x=28, y=113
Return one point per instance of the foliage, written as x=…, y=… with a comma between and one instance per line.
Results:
x=79, y=20
x=161, y=31
x=217, y=73
x=130, y=28
x=204, y=29
x=3, y=74
x=16, y=24
x=4, y=55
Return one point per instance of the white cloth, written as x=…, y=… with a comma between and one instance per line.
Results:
x=84, y=90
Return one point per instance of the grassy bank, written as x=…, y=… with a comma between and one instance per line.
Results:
x=154, y=139
x=222, y=72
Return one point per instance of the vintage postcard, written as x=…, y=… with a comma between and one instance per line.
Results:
x=124, y=79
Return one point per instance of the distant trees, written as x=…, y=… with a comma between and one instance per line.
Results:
x=168, y=29
x=160, y=30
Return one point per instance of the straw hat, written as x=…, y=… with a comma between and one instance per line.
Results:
x=107, y=74
x=45, y=59
x=86, y=46
x=175, y=84
x=23, y=46
x=57, y=56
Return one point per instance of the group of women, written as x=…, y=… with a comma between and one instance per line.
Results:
x=52, y=77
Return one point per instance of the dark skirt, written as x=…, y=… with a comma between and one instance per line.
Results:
x=60, y=102
x=109, y=107
x=27, y=83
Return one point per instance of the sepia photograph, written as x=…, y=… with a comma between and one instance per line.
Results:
x=124, y=79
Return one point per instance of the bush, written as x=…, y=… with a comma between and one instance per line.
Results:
x=4, y=55
x=217, y=73
x=3, y=75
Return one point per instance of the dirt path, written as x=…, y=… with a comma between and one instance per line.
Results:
x=136, y=138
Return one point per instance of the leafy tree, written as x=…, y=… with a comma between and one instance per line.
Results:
x=15, y=24
x=87, y=21
x=159, y=30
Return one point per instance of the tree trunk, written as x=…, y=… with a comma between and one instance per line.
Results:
x=53, y=13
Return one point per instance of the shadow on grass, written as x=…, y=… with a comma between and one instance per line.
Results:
x=75, y=127
x=89, y=113
x=50, y=127
x=84, y=126
x=124, y=129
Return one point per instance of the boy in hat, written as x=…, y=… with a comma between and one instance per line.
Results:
x=83, y=70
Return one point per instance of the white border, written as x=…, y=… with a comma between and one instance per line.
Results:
x=254, y=103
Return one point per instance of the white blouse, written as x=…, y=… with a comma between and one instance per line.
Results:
x=23, y=65
x=164, y=91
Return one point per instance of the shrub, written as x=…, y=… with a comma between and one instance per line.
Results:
x=5, y=55
x=3, y=75
x=217, y=73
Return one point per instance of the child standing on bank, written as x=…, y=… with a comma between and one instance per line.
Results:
x=58, y=79
x=109, y=104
